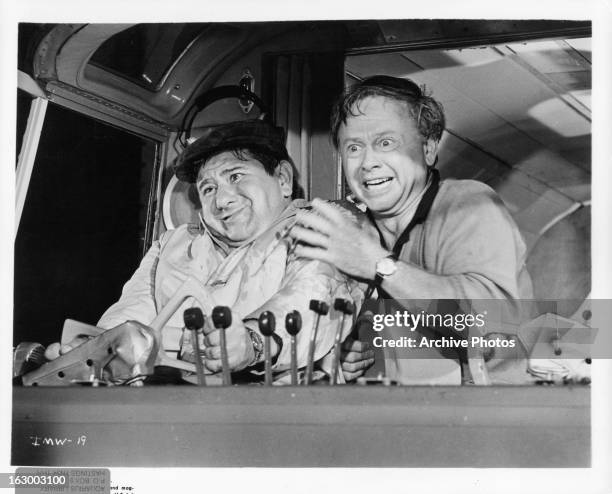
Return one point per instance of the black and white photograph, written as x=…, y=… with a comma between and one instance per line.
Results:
x=298, y=251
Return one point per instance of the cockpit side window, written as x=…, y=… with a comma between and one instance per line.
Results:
x=83, y=225
x=24, y=100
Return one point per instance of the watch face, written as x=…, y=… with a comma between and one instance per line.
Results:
x=386, y=267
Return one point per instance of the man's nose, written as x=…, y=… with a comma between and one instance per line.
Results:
x=225, y=196
x=369, y=159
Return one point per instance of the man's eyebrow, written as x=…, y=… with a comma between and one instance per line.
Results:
x=385, y=133
x=201, y=181
x=351, y=139
x=378, y=135
x=232, y=169
x=223, y=173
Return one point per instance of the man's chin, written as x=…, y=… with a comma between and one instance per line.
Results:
x=378, y=205
x=232, y=236
x=239, y=235
x=237, y=238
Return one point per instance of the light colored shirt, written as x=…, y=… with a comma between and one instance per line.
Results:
x=261, y=275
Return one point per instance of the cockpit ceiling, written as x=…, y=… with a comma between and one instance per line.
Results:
x=518, y=117
x=158, y=69
x=517, y=93
x=145, y=53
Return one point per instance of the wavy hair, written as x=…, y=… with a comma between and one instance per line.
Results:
x=426, y=112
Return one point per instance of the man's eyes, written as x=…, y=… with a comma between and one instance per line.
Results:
x=232, y=178
x=353, y=148
x=235, y=177
x=386, y=143
x=207, y=189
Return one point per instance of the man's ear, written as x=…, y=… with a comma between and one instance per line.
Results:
x=284, y=173
x=430, y=150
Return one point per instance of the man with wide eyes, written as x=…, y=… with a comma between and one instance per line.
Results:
x=426, y=239
x=239, y=252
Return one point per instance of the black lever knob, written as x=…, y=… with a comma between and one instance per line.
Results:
x=222, y=317
x=193, y=318
x=344, y=306
x=267, y=323
x=293, y=322
x=319, y=307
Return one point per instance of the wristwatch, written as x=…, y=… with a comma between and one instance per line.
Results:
x=385, y=267
x=258, y=346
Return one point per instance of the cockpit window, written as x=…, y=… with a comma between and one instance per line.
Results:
x=83, y=224
x=24, y=100
x=145, y=53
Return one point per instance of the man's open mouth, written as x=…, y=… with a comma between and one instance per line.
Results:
x=376, y=182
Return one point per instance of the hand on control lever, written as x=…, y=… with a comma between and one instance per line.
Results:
x=240, y=351
x=356, y=357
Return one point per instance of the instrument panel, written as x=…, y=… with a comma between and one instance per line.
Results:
x=300, y=426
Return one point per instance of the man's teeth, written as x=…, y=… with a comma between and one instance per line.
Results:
x=376, y=181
